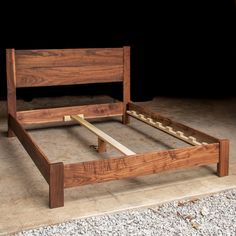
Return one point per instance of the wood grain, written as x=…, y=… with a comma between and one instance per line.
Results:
x=126, y=84
x=139, y=164
x=68, y=66
x=53, y=115
x=28, y=59
x=36, y=77
x=11, y=86
x=56, y=185
x=188, y=131
x=38, y=157
x=223, y=165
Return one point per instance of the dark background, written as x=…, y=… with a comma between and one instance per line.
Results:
x=175, y=51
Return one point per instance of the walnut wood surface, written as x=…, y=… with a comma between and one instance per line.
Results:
x=126, y=83
x=56, y=185
x=139, y=164
x=223, y=165
x=11, y=86
x=38, y=157
x=68, y=66
x=53, y=115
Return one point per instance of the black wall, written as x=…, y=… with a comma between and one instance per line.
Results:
x=175, y=51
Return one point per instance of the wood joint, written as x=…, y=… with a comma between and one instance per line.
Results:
x=68, y=118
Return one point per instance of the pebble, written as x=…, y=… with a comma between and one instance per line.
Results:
x=204, y=211
x=212, y=215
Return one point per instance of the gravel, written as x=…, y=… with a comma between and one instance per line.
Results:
x=211, y=215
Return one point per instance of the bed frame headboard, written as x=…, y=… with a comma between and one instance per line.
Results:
x=36, y=68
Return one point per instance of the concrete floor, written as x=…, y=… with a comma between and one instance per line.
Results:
x=24, y=192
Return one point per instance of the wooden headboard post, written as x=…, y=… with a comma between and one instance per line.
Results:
x=126, y=84
x=11, y=86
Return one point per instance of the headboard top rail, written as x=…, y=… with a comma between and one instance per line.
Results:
x=49, y=67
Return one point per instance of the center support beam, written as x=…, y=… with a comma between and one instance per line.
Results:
x=101, y=135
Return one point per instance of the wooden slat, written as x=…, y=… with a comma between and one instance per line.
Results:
x=188, y=131
x=68, y=75
x=126, y=83
x=38, y=157
x=53, y=115
x=28, y=59
x=167, y=129
x=11, y=85
x=223, y=165
x=103, y=136
x=140, y=164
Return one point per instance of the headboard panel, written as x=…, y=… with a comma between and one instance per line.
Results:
x=68, y=66
x=32, y=68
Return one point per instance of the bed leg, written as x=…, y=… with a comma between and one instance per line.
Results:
x=56, y=185
x=102, y=147
x=223, y=164
x=10, y=132
x=125, y=119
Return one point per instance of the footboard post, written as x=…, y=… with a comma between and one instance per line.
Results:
x=223, y=165
x=56, y=185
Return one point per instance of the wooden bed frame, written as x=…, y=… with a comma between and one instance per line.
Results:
x=33, y=68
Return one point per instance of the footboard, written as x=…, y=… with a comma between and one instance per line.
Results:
x=140, y=164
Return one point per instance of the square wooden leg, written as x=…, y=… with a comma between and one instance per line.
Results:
x=223, y=165
x=10, y=132
x=56, y=185
x=125, y=119
x=101, y=146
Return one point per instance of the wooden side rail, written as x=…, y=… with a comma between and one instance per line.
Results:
x=54, y=115
x=168, y=125
x=102, y=136
x=140, y=164
x=167, y=129
x=52, y=172
x=38, y=157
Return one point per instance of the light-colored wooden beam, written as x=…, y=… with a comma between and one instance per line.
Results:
x=103, y=136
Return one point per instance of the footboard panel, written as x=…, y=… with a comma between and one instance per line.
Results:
x=140, y=164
